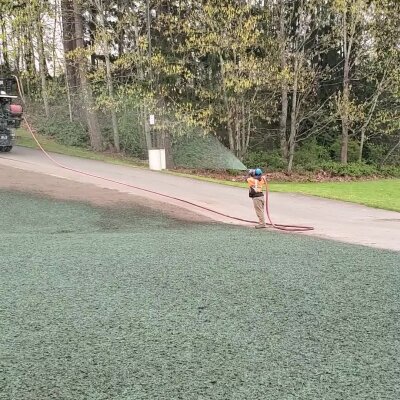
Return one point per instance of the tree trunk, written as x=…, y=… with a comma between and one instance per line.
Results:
x=67, y=81
x=113, y=113
x=29, y=54
x=362, y=142
x=237, y=126
x=42, y=66
x=88, y=103
x=293, y=116
x=16, y=45
x=4, y=49
x=284, y=91
x=227, y=107
x=146, y=127
x=40, y=44
x=169, y=159
x=67, y=25
x=142, y=109
x=69, y=43
x=345, y=114
x=246, y=128
x=110, y=85
x=54, y=40
x=283, y=121
x=149, y=47
x=348, y=38
x=370, y=114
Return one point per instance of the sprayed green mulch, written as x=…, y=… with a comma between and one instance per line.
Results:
x=98, y=304
x=207, y=152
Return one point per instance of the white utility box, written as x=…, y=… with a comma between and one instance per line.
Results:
x=157, y=160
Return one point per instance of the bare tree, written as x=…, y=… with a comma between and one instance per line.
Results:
x=88, y=103
x=349, y=14
x=284, y=91
x=104, y=38
x=69, y=43
x=42, y=60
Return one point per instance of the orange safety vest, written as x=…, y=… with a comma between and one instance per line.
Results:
x=256, y=186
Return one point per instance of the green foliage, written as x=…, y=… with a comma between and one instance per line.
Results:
x=65, y=132
x=375, y=153
x=312, y=157
x=356, y=170
x=353, y=150
x=131, y=134
x=351, y=169
x=218, y=65
x=390, y=170
x=268, y=160
x=311, y=154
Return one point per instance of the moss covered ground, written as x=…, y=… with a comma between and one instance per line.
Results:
x=129, y=304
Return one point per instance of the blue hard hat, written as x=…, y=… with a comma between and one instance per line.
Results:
x=258, y=172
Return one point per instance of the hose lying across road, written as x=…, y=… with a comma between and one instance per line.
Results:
x=290, y=228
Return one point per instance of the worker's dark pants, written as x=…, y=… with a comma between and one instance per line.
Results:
x=258, y=203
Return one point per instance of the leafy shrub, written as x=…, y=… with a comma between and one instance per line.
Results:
x=352, y=153
x=272, y=160
x=130, y=134
x=65, y=132
x=356, y=170
x=374, y=153
x=390, y=171
x=310, y=155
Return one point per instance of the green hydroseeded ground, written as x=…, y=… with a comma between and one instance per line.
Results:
x=99, y=304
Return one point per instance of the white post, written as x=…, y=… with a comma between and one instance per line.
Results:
x=157, y=160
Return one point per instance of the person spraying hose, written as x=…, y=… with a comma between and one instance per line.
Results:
x=257, y=182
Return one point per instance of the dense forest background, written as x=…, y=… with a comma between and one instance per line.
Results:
x=292, y=84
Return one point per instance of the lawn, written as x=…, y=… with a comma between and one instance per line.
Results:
x=383, y=194
x=129, y=304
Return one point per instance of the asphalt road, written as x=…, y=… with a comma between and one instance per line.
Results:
x=331, y=219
